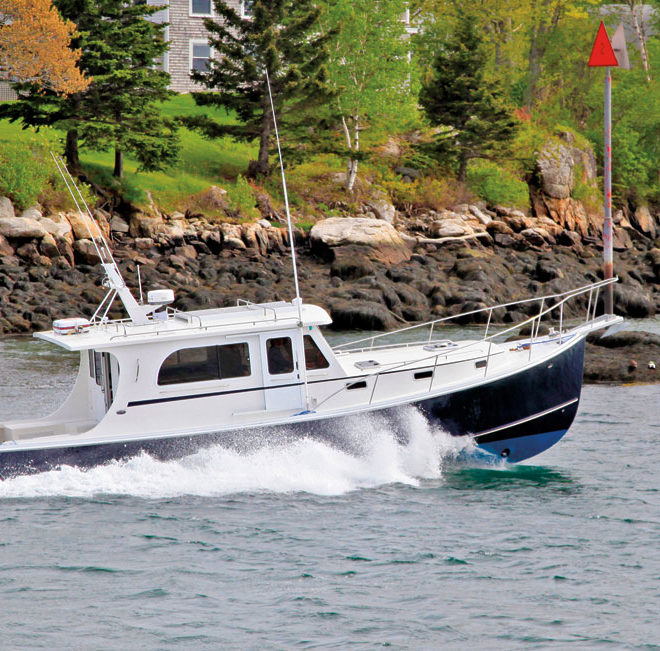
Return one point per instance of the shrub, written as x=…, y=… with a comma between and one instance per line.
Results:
x=241, y=199
x=497, y=185
x=23, y=174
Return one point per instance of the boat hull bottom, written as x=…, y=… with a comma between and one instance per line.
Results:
x=522, y=447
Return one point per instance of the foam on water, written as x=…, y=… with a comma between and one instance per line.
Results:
x=369, y=456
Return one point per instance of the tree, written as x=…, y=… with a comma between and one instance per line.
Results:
x=282, y=38
x=34, y=46
x=119, y=108
x=477, y=122
x=370, y=70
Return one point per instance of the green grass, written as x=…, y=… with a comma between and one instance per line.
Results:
x=201, y=163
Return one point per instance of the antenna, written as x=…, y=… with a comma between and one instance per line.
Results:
x=298, y=300
x=286, y=203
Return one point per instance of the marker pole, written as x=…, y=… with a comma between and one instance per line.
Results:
x=608, y=258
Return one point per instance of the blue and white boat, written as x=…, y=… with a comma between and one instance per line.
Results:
x=167, y=382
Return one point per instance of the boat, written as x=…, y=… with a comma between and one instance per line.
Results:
x=169, y=382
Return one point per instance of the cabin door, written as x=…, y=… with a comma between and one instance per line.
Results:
x=283, y=383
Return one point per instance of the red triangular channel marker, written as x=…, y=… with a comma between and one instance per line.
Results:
x=602, y=53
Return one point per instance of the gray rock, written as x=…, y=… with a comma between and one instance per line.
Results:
x=556, y=166
x=32, y=213
x=264, y=223
x=383, y=209
x=17, y=227
x=118, y=225
x=6, y=208
x=410, y=172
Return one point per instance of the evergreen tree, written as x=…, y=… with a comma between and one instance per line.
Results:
x=119, y=46
x=281, y=37
x=477, y=122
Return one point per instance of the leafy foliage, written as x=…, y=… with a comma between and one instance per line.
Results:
x=497, y=185
x=34, y=46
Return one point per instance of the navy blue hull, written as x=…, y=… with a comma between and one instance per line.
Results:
x=519, y=416
x=514, y=418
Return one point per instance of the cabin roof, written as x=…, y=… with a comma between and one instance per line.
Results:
x=244, y=319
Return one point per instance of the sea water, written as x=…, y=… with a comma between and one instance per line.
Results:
x=299, y=544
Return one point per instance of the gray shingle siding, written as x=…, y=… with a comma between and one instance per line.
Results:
x=184, y=29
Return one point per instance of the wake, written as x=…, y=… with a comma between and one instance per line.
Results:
x=367, y=453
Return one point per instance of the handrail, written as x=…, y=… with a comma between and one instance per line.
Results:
x=565, y=295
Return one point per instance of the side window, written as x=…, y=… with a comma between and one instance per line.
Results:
x=206, y=363
x=314, y=358
x=234, y=360
x=280, y=355
x=190, y=365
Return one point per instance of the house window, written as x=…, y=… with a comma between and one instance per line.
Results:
x=200, y=7
x=247, y=8
x=205, y=363
x=200, y=55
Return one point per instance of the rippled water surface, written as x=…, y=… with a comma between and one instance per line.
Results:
x=301, y=545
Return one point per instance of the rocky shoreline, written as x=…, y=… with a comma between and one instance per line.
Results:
x=370, y=276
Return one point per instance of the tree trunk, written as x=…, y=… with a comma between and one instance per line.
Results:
x=118, y=172
x=71, y=151
x=260, y=167
x=641, y=39
x=351, y=171
x=462, y=168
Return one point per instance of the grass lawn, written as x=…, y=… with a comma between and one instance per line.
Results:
x=201, y=163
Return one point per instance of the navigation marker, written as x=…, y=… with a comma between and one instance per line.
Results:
x=602, y=54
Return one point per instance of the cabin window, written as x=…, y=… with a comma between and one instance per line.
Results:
x=205, y=363
x=314, y=358
x=280, y=355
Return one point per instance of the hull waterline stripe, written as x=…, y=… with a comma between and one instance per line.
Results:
x=527, y=419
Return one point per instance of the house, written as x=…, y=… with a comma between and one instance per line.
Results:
x=188, y=38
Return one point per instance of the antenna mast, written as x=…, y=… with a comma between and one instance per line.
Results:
x=286, y=203
x=297, y=300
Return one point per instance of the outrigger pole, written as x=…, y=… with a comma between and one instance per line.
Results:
x=297, y=300
x=114, y=280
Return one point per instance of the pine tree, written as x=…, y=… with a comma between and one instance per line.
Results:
x=477, y=121
x=281, y=37
x=119, y=46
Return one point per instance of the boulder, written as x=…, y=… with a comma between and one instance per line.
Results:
x=621, y=239
x=450, y=228
x=48, y=246
x=383, y=209
x=360, y=315
x=232, y=237
x=16, y=227
x=480, y=215
x=535, y=236
x=84, y=227
x=555, y=165
x=380, y=239
x=645, y=221
x=57, y=226
x=6, y=208
x=118, y=225
x=143, y=225
x=5, y=247
x=85, y=252
x=497, y=226
x=33, y=212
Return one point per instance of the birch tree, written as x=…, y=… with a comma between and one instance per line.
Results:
x=369, y=70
